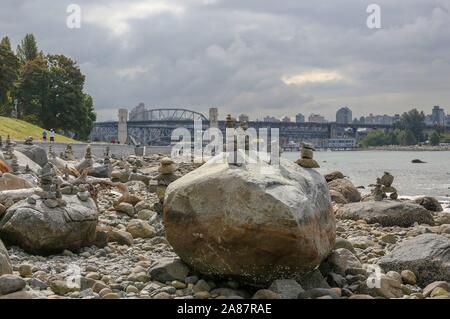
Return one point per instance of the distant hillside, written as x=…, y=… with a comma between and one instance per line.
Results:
x=19, y=130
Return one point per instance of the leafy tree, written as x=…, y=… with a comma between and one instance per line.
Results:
x=27, y=50
x=407, y=138
x=435, y=138
x=413, y=121
x=9, y=68
x=33, y=91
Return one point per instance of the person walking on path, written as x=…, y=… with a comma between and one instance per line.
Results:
x=52, y=135
x=44, y=136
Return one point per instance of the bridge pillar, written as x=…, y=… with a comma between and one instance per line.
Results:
x=213, y=117
x=123, y=127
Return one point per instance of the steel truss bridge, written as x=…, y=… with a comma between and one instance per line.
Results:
x=158, y=124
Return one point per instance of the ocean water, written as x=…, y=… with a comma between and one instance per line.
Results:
x=411, y=180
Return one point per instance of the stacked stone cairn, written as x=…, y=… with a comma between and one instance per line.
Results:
x=383, y=186
x=14, y=164
x=51, y=192
x=68, y=153
x=28, y=140
x=8, y=150
x=307, y=157
x=166, y=177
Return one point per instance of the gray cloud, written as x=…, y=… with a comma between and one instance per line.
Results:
x=235, y=54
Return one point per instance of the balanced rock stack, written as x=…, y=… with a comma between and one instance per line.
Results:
x=237, y=222
x=307, y=157
x=28, y=140
x=166, y=176
x=383, y=186
x=49, y=222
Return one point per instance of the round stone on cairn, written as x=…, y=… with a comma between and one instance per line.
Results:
x=307, y=157
x=238, y=222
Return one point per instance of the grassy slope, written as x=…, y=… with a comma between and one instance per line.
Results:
x=19, y=130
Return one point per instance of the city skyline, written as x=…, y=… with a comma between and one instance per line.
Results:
x=255, y=57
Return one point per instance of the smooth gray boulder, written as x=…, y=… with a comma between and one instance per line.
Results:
x=253, y=222
x=346, y=188
x=39, y=229
x=5, y=263
x=387, y=213
x=34, y=152
x=427, y=255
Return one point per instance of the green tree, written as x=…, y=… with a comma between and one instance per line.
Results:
x=9, y=69
x=435, y=138
x=407, y=138
x=33, y=91
x=27, y=50
x=413, y=121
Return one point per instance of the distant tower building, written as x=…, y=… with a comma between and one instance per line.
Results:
x=123, y=127
x=213, y=117
x=286, y=119
x=344, y=116
x=138, y=113
x=299, y=118
x=244, y=118
x=316, y=118
x=438, y=116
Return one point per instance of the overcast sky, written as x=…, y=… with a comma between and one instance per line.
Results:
x=260, y=57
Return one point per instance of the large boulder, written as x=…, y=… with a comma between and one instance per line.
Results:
x=430, y=203
x=39, y=229
x=36, y=153
x=427, y=255
x=346, y=188
x=24, y=161
x=386, y=213
x=10, y=182
x=333, y=176
x=5, y=263
x=253, y=222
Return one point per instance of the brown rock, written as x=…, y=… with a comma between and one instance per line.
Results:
x=346, y=188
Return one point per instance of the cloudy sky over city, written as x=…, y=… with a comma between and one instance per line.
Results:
x=260, y=57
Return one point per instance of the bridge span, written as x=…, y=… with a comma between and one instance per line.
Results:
x=155, y=127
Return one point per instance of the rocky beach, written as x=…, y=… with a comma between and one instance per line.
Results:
x=126, y=227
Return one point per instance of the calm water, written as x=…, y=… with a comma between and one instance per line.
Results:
x=363, y=167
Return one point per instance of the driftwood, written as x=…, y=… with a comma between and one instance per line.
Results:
x=17, y=194
x=126, y=196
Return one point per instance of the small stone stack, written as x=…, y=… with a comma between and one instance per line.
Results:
x=1, y=142
x=166, y=176
x=307, y=157
x=51, y=192
x=88, y=153
x=28, y=140
x=8, y=151
x=14, y=165
x=68, y=153
x=51, y=154
x=383, y=186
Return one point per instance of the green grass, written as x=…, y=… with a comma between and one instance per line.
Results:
x=18, y=130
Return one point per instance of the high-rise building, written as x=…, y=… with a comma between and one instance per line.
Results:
x=316, y=118
x=243, y=118
x=344, y=116
x=299, y=118
x=286, y=119
x=271, y=119
x=438, y=115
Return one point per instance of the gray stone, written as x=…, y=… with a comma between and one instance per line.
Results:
x=340, y=261
x=239, y=222
x=427, y=255
x=39, y=229
x=169, y=269
x=126, y=209
x=313, y=279
x=5, y=263
x=317, y=293
x=10, y=284
x=386, y=213
x=429, y=203
x=36, y=153
x=346, y=188
x=287, y=288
